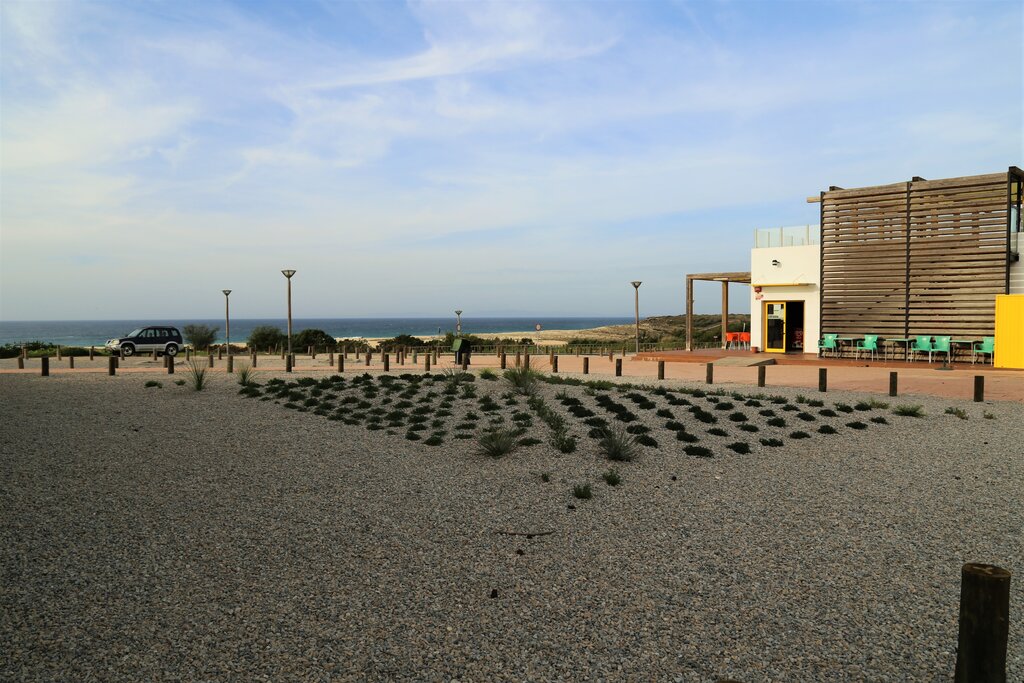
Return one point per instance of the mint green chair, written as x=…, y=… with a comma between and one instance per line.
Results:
x=941, y=345
x=828, y=343
x=922, y=344
x=869, y=343
x=986, y=345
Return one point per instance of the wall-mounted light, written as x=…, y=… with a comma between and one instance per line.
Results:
x=775, y=262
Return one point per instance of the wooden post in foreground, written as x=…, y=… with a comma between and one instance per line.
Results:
x=618, y=367
x=387, y=362
x=287, y=363
x=526, y=360
x=979, y=388
x=92, y=352
x=368, y=357
x=504, y=360
x=519, y=360
x=554, y=363
x=252, y=359
x=231, y=363
x=426, y=364
x=111, y=365
x=21, y=362
x=210, y=360
x=893, y=383
x=170, y=365
x=465, y=362
x=71, y=362
x=45, y=366
x=661, y=369
x=761, y=372
x=330, y=359
x=58, y=352
x=984, y=624
x=710, y=375
x=586, y=365
x=341, y=363
x=822, y=379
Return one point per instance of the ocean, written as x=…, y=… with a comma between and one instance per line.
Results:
x=97, y=332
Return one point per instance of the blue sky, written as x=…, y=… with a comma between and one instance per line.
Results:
x=506, y=158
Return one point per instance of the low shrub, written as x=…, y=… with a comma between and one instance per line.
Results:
x=747, y=427
x=618, y=444
x=718, y=431
x=612, y=478
x=826, y=429
x=498, y=442
x=153, y=383
x=582, y=491
x=777, y=422
x=957, y=412
x=686, y=437
x=740, y=447
x=879, y=420
x=196, y=374
x=856, y=424
x=738, y=417
x=806, y=417
x=646, y=440
x=698, y=451
x=771, y=443
x=799, y=435
x=909, y=411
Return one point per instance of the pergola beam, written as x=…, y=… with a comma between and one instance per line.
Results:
x=725, y=279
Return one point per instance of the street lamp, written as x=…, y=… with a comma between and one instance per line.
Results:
x=288, y=274
x=636, y=290
x=227, y=320
x=458, y=323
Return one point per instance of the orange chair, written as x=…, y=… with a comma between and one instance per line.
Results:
x=744, y=340
x=731, y=339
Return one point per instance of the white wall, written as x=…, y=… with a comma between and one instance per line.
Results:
x=796, y=265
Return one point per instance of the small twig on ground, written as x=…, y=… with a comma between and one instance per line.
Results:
x=529, y=534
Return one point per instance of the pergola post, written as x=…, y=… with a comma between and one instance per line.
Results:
x=725, y=310
x=689, y=313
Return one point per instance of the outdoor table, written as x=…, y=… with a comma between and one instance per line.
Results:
x=847, y=342
x=957, y=344
x=897, y=341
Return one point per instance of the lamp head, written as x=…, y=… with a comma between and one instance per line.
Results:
x=226, y=291
x=288, y=273
x=775, y=262
x=459, y=312
x=636, y=284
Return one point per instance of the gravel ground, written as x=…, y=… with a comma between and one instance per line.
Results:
x=164, y=534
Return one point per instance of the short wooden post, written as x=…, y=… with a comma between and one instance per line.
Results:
x=586, y=365
x=283, y=352
x=465, y=362
x=526, y=360
x=21, y=362
x=822, y=379
x=984, y=624
x=661, y=369
x=357, y=353
x=519, y=360
x=436, y=355
x=387, y=362
x=220, y=352
x=368, y=357
x=252, y=359
x=58, y=352
x=170, y=365
x=979, y=388
x=554, y=363
x=117, y=361
x=503, y=359
x=415, y=357
x=893, y=383
x=551, y=357
x=345, y=350
x=71, y=362
x=341, y=362
x=120, y=353
x=287, y=363
x=330, y=358
x=309, y=351
x=92, y=352
x=111, y=365
x=312, y=352
x=618, y=367
x=210, y=359
x=709, y=374
x=426, y=362
x=761, y=371
x=44, y=368
x=610, y=356
x=231, y=363
x=188, y=354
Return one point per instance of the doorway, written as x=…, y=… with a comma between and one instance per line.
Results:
x=783, y=326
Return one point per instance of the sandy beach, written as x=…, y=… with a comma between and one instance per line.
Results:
x=166, y=533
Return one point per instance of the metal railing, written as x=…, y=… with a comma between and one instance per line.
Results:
x=789, y=236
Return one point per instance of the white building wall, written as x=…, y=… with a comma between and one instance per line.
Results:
x=1017, y=277
x=796, y=278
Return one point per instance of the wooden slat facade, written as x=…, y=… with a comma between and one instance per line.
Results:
x=921, y=257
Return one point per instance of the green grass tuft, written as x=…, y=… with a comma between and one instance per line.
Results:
x=909, y=411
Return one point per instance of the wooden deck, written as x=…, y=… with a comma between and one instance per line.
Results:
x=712, y=355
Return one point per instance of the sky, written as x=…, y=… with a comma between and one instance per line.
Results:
x=508, y=158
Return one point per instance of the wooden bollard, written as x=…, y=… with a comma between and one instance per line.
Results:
x=893, y=383
x=220, y=353
x=252, y=359
x=984, y=624
x=312, y=352
x=618, y=367
x=519, y=360
x=154, y=354
x=465, y=362
x=554, y=363
x=357, y=353
x=436, y=356
x=44, y=367
x=979, y=388
x=526, y=360
x=709, y=374
x=502, y=359
x=586, y=365
x=387, y=362
x=120, y=354
x=209, y=360
x=283, y=352
x=661, y=369
x=822, y=379
x=92, y=352
x=71, y=362
x=551, y=358
x=111, y=365
x=761, y=372
x=367, y=358
x=170, y=365
x=330, y=359
x=341, y=363
x=611, y=354
x=188, y=354
x=426, y=362
x=117, y=361
x=231, y=363
x=287, y=363
x=21, y=362
x=344, y=351
x=58, y=352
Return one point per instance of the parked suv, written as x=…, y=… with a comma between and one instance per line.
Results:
x=160, y=339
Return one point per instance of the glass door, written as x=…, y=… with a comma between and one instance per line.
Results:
x=775, y=326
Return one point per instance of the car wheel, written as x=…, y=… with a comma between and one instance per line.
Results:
x=128, y=350
x=172, y=350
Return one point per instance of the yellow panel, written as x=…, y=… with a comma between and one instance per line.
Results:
x=1009, y=331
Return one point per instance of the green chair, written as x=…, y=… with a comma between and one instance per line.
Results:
x=869, y=343
x=922, y=344
x=986, y=345
x=828, y=343
x=941, y=345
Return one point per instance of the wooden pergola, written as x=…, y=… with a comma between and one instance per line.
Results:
x=725, y=279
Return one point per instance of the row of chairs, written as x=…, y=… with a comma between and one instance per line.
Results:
x=922, y=344
x=737, y=340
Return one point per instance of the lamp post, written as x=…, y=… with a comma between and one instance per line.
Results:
x=458, y=323
x=288, y=274
x=227, y=320
x=636, y=293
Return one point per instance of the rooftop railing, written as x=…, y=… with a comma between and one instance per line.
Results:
x=789, y=236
